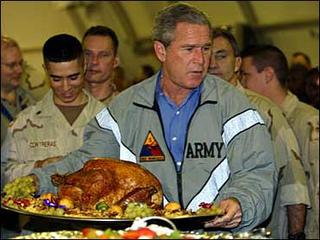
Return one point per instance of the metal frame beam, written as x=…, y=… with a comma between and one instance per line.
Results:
x=249, y=13
x=124, y=19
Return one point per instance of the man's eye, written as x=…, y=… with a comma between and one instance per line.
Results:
x=55, y=79
x=188, y=49
x=87, y=54
x=74, y=77
x=220, y=57
x=206, y=49
x=104, y=55
x=11, y=65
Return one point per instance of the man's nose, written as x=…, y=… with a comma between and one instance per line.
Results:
x=18, y=68
x=213, y=62
x=65, y=85
x=199, y=56
x=94, y=59
x=212, y=65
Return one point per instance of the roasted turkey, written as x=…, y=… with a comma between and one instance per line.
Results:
x=113, y=181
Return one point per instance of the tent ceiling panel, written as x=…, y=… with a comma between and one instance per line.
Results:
x=291, y=25
x=221, y=12
x=278, y=12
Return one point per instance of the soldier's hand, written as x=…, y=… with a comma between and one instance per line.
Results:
x=35, y=181
x=232, y=216
x=46, y=162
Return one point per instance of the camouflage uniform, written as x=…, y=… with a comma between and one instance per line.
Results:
x=41, y=132
x=304, y=120
x=23, y=100
x=292, y=188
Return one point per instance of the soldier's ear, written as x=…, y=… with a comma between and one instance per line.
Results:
x=160, y=50
x=116, y=62
x=237, y=64
x=269, y=74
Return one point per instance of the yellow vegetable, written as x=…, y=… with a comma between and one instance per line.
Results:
x=115, y=210
x=68, y=203
x=172, y=206
x=48, y=196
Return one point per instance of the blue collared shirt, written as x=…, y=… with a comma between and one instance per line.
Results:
x=175, y=120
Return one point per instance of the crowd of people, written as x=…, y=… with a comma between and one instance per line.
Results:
x=228, y=124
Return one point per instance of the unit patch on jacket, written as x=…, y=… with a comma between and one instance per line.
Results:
x=151, y=150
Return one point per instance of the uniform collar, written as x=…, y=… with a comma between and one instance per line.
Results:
x=46, y=104
x=289, y=104
x=146, y=91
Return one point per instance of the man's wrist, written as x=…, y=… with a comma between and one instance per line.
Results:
x=35, y=181
x=295, y=236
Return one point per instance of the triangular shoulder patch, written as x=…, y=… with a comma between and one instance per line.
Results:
x=151, y=150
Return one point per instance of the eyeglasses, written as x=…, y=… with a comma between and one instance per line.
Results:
x=12, y=65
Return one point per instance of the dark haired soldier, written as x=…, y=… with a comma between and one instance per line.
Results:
x=265, y=71
x=54, y=126
x=100, y=46
x=292, y=194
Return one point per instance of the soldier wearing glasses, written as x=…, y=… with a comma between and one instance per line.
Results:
x=13, y=97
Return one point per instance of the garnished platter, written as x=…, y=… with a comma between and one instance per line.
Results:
x=19, y=196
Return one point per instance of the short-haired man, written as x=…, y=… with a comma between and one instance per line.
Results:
x=100, y=45
x=13, y=97
x=292, y=194
x=265, y=71
x=203, y=130
x=54, y=126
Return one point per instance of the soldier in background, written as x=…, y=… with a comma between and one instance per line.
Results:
x=13, y=97
x=100, y=45
x=292, y=191
x=265, y=71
